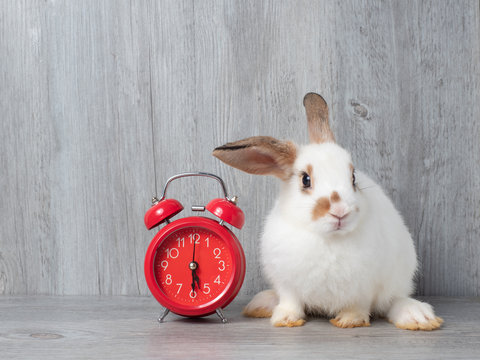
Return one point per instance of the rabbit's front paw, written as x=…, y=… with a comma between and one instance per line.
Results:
x=285, y=317
x=351, y=319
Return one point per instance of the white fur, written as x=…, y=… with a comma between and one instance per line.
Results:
x=366, y=265
x=265, y=300
x=407, y=312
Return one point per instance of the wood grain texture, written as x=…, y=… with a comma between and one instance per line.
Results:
x=77, y=150
x=126, y=328
x=102, y=101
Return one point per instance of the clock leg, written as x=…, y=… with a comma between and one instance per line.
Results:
x=221, y=316
x=165, y=313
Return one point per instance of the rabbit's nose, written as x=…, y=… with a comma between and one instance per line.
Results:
x=339, y=214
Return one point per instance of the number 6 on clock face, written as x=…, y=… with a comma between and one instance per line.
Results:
x=194, y=266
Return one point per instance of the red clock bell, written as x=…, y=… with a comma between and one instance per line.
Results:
x=194, y=266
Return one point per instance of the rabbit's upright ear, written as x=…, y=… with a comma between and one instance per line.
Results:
x=317, y=117
x=261, y=155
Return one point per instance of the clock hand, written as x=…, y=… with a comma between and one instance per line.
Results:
x=193, y=266
x=193, y=256
x=195, y=279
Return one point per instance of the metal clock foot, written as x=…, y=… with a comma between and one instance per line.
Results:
x=165, y=313
x=221, y=316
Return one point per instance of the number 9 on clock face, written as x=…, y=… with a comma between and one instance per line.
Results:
x=194, y=266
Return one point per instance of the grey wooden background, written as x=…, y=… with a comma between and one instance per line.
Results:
x=101, y=101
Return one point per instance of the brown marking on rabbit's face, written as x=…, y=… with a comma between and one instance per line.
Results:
x=352, y=169
x=321, y=208
x=306, y=179
x=335, y=197
x=310, y=170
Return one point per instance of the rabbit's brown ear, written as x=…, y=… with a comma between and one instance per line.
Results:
x=317, y=117
x=261, y=155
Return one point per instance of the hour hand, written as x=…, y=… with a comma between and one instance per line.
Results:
x=193, y=266
x=195, y=279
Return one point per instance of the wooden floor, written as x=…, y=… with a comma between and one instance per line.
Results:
x=126, y=328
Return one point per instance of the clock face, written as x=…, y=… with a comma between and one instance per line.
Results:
x=192, y=266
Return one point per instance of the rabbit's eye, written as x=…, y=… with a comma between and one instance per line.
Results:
x=353, y=179
x=306, y=181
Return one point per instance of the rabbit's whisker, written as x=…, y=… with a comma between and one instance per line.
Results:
x=366, y=187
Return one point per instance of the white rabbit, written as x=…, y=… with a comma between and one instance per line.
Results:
x=333, y=243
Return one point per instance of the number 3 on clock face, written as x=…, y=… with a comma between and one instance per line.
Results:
x=194, y=266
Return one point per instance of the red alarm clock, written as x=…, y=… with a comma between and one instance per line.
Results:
x=195, y=266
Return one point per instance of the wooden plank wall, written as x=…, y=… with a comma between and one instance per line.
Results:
x=101, y=101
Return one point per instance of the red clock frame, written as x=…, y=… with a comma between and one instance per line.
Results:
x=233, y=285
